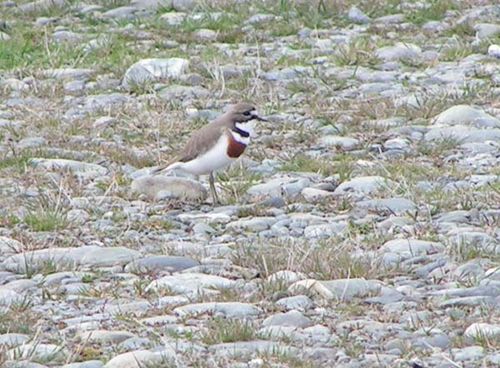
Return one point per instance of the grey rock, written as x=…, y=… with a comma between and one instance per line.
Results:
x=191, y=283
x=463, y=134
x=357, y=16
x=87, y=364
x=81, y=169
x=260, y=18
x=466, y=115
x=364, y=185
x=494, y=51
x=255, y=224
x=286, y=73
x=10, y=246
x=292, y=318
x=288, y=186
x=149, y=71
x=4, y=36
x=151, y=4
x=163, y=187
x=325, y=230
x=205, y=35
x=389, y=205
x=345, y=143
x=176, y=92
x=40, y=5
x=184, y=5
x=67, y=36
x=135, y=343
x=122, y=12
x=160, y=264
x=400, y=51
x=391, y=19
x=8, y=297
x=37, y=351
x=63, y=74
x=10, y=340
x=342, y=289
x=299, y=302
x=248, y=347
x=315, y=195
x=486, y=30
x=137, y=359
x=477, y=330
x=173, y=18
x=225, y=309
x=469, y=353
x=105, y=336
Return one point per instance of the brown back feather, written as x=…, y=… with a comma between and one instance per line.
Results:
x=203, y=139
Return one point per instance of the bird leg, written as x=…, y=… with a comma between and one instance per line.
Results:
x=211, y=180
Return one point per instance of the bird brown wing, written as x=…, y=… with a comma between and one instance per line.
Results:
x=201, y=141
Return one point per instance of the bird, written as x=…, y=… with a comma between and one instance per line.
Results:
x=216, y=144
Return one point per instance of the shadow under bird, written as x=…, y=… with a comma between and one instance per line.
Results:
x=216, y=145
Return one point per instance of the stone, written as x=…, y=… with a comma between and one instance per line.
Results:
x=494, y=51
x=173, y=18
x=288, y=186
x=10, y=340
x=40, y=5
x=298, y=302
x=10, y=246
x=159, y=187
x=364, y=185
x=344, y=143
x=37, y=351
x=151, y=4
x=105, y=336
x=473, y=353
x=250, y=347
x=137, y=359
x=462, y=134
x=90, y=256
x=292, y=318
x=149, y=71
x=8, y=297
x=486, y=30
x=185, y=283
x=466, y=115
x=400, y=51
x=184, y=5
x=325, y=230
x=357, y=16
x=79, y=168
x=4, y=36
x=225, y=309
x=183, y=93
x=342, y=289
x=86, y=364
x=478, y=330
x=389, y=205
x=160, y=264
x=255, y=224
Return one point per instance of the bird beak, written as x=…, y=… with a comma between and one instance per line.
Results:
x=257, y=117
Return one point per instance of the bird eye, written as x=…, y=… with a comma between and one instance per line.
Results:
x=246, y=113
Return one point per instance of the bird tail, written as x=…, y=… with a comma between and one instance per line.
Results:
x=168, y=167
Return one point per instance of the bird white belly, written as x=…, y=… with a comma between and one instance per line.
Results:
x=212, y=160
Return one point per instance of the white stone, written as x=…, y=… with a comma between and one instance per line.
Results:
x=154, y=70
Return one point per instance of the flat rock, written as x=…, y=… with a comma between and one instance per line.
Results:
x=299, y=302
x=225, y=309
x=277, y=187
x=9, y=246
x=160, y=264
x=105, y=336
x=344, y=143
x=364, y=185
x=463, y=134
x=390, y=205
x=342, y=289
x=292, y=318
x=70, y=257
x=400, y=51
x=167, y=187
x=477, y=330
x=148, y=71
x=249, y=347
x=135, y=359
x=77, y=167
x=10, y=340
x=184, y=283
x=86, y=364
x=466, y=115
x=37, y=351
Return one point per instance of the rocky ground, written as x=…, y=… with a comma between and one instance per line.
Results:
x=361, y=229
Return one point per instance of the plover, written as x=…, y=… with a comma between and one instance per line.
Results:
x=216, y=144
